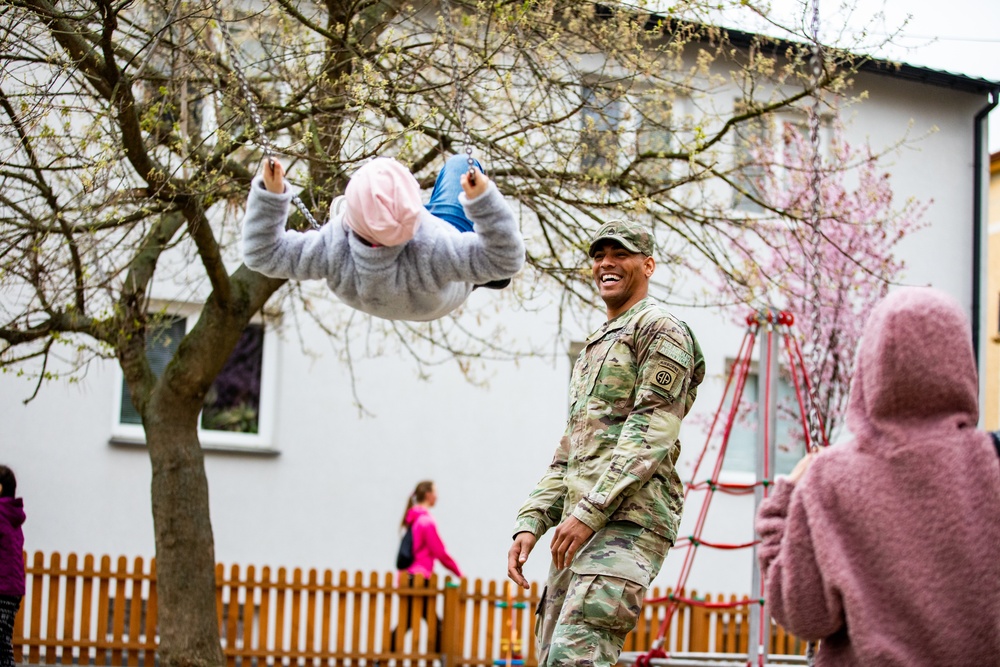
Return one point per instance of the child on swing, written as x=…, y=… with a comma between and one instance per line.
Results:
x=382, y=251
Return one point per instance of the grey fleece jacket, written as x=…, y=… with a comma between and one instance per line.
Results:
x=424, y=279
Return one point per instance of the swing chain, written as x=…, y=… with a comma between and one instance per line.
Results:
x=816, y=66
x=459, y=95
x=252, y=110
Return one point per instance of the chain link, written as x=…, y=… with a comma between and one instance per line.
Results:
x=251, y=105
x=459, y=94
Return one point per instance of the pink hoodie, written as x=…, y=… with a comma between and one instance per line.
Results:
x=427, y=545
x=888, y=548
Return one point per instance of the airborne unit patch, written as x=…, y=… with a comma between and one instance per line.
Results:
x=669, y=376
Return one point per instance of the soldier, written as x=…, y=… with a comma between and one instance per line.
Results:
x=612, y=486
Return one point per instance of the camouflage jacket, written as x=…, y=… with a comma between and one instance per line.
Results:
x=632, y=385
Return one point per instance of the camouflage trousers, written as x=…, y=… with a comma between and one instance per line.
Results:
x=587, y=609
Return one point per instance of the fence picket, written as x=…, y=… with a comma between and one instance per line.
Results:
x=249, y=616
x=230, y=612
x=279, y=614
x=134, y=585
x=86, y=609
x=357, y=602
x=386, y=600
x=313, y=598
x=69, y=609
x=264, y=645
x=295, y=630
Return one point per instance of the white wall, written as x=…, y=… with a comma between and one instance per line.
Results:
x=334, y=495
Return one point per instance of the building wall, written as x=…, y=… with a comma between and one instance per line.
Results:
x=333, y=493
x=991, y=343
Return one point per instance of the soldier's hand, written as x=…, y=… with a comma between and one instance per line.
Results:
x=570, y=535
x=524, y=542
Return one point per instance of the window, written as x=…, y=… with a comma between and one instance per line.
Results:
x=741, y=452
x=751, y=139
x=236, y=409
x=602, y=116
x=161, y=343
x=233, y=401
x=778, y=146
x=795, y=138
x=654, y=135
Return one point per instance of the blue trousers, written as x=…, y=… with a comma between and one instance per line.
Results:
x=444, y=198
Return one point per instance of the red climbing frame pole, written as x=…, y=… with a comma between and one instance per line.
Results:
x=766, y=453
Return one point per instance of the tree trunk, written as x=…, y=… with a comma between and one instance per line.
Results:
x=185, y=547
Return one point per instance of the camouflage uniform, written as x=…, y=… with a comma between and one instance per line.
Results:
x=614, y=471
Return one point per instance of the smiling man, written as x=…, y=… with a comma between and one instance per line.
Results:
x=612, y=488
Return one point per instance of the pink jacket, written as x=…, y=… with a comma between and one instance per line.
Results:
x=888, y=548
x=427, y=545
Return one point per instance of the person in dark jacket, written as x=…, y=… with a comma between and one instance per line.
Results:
x=11, y=562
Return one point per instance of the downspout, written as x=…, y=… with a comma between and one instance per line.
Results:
x=978, y=219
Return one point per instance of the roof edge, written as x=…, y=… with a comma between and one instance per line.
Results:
x=897, y=70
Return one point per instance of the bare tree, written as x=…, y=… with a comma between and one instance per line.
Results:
x=127, y=150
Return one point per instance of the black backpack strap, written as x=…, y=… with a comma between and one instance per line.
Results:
x=995, y=436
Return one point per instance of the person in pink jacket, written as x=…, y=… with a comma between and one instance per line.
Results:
x=887, y=548
x=427, y=549
x=427, y=544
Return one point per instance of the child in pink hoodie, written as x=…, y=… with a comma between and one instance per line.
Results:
x=885, y=548
x=11, y=562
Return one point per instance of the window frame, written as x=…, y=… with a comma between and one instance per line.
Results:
x=773, y=132
x=740, y=476
x=662, y=129
x=597, y=100
x=261, y=442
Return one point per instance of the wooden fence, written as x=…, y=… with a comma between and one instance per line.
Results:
x=88, y=612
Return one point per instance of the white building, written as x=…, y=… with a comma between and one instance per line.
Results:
x=324, y=485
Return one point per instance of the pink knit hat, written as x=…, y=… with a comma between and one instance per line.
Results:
x=383, y=202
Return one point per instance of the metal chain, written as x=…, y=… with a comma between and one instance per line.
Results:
x=251, y=104
x=816, y=66
x=459, y=95
x=815, y=240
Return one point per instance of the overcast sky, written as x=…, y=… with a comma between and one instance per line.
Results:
x=958, y=36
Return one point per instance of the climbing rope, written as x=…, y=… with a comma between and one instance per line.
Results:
x=251, y=104
x=705, y=604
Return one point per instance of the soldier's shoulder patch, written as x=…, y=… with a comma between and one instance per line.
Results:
x=669, y=348
x=668, y=376
x=668, y=366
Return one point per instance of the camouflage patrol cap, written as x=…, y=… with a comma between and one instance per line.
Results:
x=633, y=236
